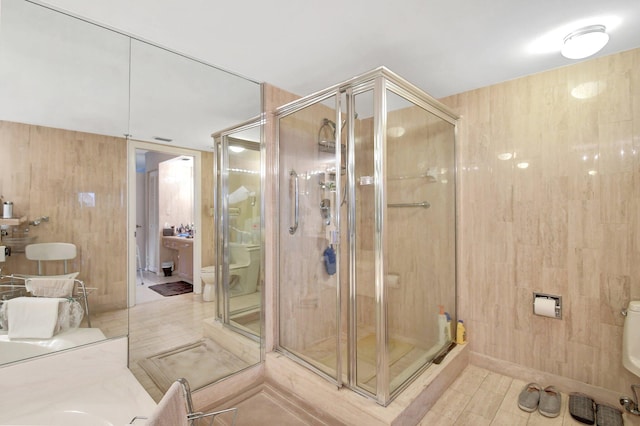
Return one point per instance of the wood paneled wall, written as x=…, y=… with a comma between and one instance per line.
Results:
x=568, y=224
x=79, y=181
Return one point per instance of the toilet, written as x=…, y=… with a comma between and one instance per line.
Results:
x=631, y=338
x=244, y=267
x=208, y=276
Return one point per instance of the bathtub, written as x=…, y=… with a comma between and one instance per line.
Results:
x=86, y=386
x=20, y=349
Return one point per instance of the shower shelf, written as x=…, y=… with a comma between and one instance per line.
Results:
x=14, y=221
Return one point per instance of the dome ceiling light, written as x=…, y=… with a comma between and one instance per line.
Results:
x=585, y=42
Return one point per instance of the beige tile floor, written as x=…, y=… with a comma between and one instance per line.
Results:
x=480, y=397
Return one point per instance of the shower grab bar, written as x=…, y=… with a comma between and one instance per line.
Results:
x=424, y=204
x=294, y=228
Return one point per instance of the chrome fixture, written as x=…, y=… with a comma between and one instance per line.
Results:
x=424, y=204
x=37, y=221
x=631, y=404
x=296, y=206
x=325, y=210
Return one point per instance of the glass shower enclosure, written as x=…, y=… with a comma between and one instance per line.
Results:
x=367, y=238
x=239, y=168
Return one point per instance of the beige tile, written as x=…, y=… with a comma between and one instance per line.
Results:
x=510, y=401
x=470, y=380
x=451, y=403
x=573, y=211
x=507, y=418
x=484, y=403
x=496, y=383
x=471, y=419
x=537, y=419
x=436, y=419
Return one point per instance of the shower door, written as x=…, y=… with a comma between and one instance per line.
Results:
x=417, y=234
x=239, y=170
x=309, y=249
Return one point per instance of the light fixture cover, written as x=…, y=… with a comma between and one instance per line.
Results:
x=585, y=42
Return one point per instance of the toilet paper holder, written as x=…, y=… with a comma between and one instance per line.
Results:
x=557, y=301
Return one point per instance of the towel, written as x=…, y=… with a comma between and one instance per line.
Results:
x=32, y=317
x=50, y=287
x=171, y=410
x=239, y=195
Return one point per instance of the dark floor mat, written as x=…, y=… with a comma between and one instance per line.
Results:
x=582, y=408
x=608, y=416
x=172, y=289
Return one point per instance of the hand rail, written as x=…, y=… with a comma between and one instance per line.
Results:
x=424, y=204
x=294, y=228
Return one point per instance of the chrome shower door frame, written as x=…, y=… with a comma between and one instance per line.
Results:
x=378, y=81
x=221, y=209
x=281, y=113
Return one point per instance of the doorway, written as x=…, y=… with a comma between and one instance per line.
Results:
x=181, y=198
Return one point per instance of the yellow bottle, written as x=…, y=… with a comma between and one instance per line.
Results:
x=461, y=333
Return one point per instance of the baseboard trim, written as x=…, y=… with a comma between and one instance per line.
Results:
x=564, y=384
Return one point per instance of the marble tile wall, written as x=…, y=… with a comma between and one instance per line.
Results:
x=79, y=181
x=207, y=231
x=419, y=242
x=307, y=294
x=175, y=193
x=44, y=170
x=273, y=97
x=566, y=224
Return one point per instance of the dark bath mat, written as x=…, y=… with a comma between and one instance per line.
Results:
x=172, y=289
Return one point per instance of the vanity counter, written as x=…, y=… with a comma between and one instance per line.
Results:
x=175, y=242
x=180, y=251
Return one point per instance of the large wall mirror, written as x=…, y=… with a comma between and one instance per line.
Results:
x=106, y=144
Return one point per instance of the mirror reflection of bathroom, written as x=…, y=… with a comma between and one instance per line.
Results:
x=239, y=289
x=164, y=221
x=89, y=197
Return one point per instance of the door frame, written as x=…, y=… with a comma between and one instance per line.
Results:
x=132, y=146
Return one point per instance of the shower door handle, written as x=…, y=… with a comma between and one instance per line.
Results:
x=296, y=206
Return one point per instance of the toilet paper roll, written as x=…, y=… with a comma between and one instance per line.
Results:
x=545, y=307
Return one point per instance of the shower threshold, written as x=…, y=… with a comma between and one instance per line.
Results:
x=296, y=396
x=280, y=407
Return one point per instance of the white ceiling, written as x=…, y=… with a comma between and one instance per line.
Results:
x=444, y=47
